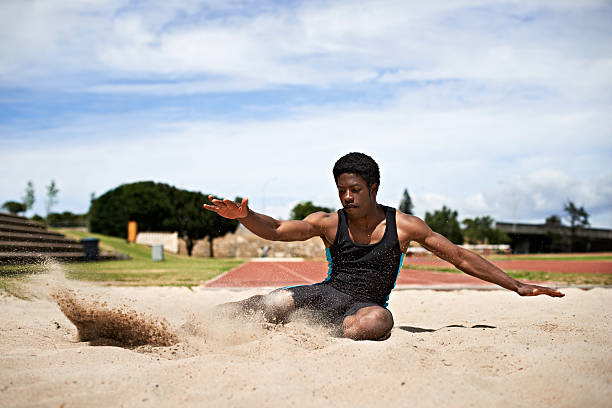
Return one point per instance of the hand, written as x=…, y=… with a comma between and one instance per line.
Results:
x=227, y=208
x=535, y=290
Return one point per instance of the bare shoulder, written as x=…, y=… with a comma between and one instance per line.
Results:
x=322, y=219
x=326, y=224
x=410, y=228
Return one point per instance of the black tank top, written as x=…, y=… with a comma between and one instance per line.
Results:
x=367, y=272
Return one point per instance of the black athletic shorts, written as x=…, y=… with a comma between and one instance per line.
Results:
x=329, y=305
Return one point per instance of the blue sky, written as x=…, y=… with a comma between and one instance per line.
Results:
x=491, y=108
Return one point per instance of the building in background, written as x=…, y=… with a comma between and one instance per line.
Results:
x=550, y=238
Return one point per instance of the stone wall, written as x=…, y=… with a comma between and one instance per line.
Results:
x=245, y=244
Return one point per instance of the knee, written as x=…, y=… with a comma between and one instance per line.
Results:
x=278, y=306
x=370, y=325
x=380, y=317
x=377, y=322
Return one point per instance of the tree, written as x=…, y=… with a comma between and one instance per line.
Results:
x=14, y=207
x=51, y=196
x=555, y=240
x=406, y=205
x=157, y=207
x=193, y=222
x=578, y=218
x=445, y=222
x=218, y=226
x=28, y=196
x=38, y=218
x=553, y=221
x=305, y=208
x=67, y=219
x=145, y=202
x=480, y=230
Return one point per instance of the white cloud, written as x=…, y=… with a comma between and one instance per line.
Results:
x=314, y=43
x=482, y=112
x=437, y=156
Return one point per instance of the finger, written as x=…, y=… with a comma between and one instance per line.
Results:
x=556, y=293
x=211, y=207
x=547, y=291
x=229, y=203
x=218, y=202
x=244, y=207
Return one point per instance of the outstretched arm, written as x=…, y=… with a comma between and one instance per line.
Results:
x=267, y=227
x=469, y=262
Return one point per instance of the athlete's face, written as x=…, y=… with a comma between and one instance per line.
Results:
x=355, y=196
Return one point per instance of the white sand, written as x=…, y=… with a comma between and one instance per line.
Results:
x=539, y=352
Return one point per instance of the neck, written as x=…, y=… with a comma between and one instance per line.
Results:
x=369, y=220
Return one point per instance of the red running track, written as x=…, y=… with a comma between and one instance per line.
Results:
x=595, y=267
x=272, y=274
x=280, y=274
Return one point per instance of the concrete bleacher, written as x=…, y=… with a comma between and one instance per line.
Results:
x=23, y=241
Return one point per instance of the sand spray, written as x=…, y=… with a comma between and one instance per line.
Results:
x=101, y=318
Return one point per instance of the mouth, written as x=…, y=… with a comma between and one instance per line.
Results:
x=349, y=206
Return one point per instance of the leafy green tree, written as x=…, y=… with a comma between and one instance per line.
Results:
x=158, y=207
x=578, y=218
x=52, y=192
x=445, y=222
x=67, y=219
x=218, y=226
x=28, y=196
x=145, y=202
x=555, y=241
x=14, y=207
x=194, y=222
x=406, y=205
x=305, y=208
x=38, y=218
x=480, y=230
x=553, y=220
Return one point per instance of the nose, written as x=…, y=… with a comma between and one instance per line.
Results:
x=348, y=197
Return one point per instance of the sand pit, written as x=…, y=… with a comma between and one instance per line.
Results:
x=459, y=348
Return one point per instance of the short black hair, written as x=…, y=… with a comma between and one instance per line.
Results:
x=360, y=164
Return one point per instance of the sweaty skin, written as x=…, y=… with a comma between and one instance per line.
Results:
x=367, y=225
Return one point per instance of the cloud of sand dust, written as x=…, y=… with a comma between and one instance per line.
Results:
x=98, y=319
x=207, y=330
x=103, y=320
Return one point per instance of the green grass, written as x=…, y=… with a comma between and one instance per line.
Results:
x=140, y=270
x=553, y=257
x=13, y=284
x=431, y=268
x=569, y=278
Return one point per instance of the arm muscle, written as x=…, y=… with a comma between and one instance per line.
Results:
x=269, y=228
